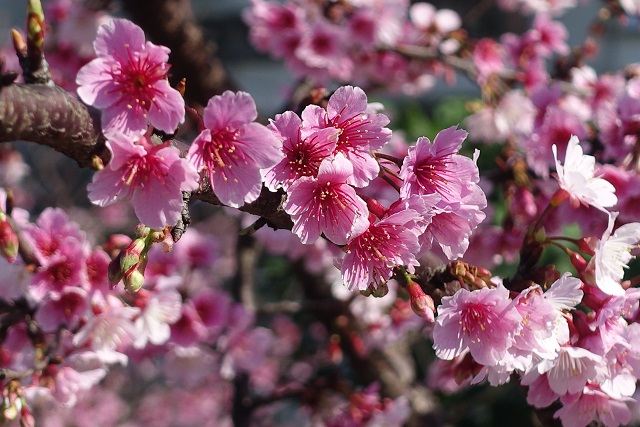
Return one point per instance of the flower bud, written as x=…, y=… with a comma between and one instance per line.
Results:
x=133, y=281
x=577, y=261
x=559, y=197
x=421, y=303
x=132, y=255
x=26, y=418
x=114, y=272
x=588, y=245
x=8, y=239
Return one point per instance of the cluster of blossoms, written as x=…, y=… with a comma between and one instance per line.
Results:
x=320, y=160
x=182, y=312
x=354, y=41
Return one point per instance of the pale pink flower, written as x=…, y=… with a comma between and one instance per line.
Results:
x=12, y=167
x=110, y=329
x=128, y=82
x=557, y=125
x=577, y=177
x=161, y=308
x=427, y=18
x=484, y=321
x=302, y=156
x=70, y=383
x=544, y=327
x=593, y=404
x=372, y=255
x=232, y=149
x=361, y=130
x=613, y=254
x=246, y=351
x=326, y=204
x=273, y=25
x=152, y=176
x=540, y=394
x=571, y=370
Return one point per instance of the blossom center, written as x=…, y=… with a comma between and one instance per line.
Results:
x=135, y=80
x=222, y=153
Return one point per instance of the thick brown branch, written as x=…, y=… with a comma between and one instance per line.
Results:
x=171, y=23
x=50, y=116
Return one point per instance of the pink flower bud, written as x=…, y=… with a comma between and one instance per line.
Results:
x=26, y=418
x=577, y=261
x=8, y=239
x=421, y=303
x=114, y=271
x=559, y=197
x=588, y=245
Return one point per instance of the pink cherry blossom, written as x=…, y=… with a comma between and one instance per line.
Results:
x=361, y=130
x=128, y=82
x=326, y=204
x=571, y=370
x=372, y=255
x=64, y=309
x=50, y=231
x=437, y=168
x=302, y=156
x=152, y=176
x=62, y=270
x=580, y=410
x=161, y=309
x=485, y=321
x=233, y=149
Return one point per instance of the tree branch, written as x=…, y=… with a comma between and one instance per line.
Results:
x=48, y=115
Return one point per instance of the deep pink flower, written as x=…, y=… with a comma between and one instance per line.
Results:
x=484, y=320
x=326, y=204
x=372, y=255
x=273, y=25
x=128, y=82
x=548, y=36
x=302, y=156
x=324, y=45
x=488, y=59
x=188, y=329
x=232, y=149
x=66, y=268
x=66, y=309
x=52, y=228
x=437, y=168
x=152, y=176
x=361, y=130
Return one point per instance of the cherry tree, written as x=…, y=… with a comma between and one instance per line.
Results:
x=317, y=267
